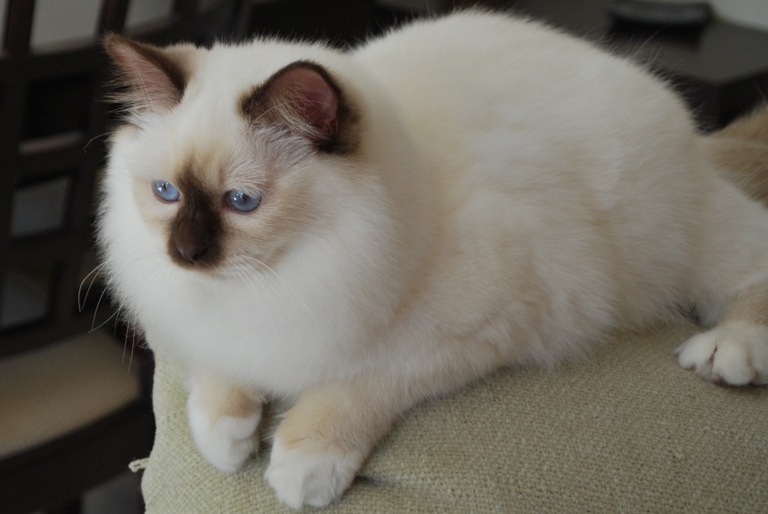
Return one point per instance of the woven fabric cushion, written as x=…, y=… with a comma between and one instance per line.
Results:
x=626, y=431
x=50, y=392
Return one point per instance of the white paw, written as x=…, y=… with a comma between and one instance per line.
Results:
x=225, y=443
x=310, y=478
x=735, y=353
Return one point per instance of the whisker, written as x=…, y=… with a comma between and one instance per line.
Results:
x=105, y=321
x=117, y=320
x=96, y=270
x=94, y=139
x=133, y=344
x=93, y=322
x=251, y=273
x=287, y=285
x=122, y=360
x=252, y=289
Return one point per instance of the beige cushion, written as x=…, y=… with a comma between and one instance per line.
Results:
x=60, y=388
x=626, y=431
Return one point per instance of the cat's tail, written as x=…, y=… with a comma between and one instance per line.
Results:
x=740, y=150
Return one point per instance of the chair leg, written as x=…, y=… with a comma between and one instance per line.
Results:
x=71, y=507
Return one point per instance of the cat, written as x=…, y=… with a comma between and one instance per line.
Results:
x=358, y=231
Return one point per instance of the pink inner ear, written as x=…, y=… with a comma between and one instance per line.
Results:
x=306, y=93
x=151, y=84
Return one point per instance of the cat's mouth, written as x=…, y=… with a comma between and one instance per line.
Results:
x=194, y=254
x=237, y=267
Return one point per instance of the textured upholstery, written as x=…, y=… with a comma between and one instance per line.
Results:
x=625, y=431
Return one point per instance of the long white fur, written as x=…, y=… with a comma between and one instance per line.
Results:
x=516, y=194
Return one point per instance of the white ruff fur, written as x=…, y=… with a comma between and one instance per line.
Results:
x=515, y=193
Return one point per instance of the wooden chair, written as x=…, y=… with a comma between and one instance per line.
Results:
x=52, y=123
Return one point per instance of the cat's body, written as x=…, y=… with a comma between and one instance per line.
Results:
x=471, y=192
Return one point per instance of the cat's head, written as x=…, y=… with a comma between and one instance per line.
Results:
x=229, y=159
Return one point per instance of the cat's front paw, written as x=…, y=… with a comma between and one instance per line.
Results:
x=302, y=475
x=735, y=353
x=225, y=442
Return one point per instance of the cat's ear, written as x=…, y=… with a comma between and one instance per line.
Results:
x=304, y=98
x=150, y=78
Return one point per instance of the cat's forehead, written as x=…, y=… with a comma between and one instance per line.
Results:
x=215, y=157
x=205, y=171
x=215, y=169
x=207, y=133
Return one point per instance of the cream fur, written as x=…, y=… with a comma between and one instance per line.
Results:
x=516, y=193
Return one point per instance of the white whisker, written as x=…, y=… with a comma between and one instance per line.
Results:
x=250, y=273
x=287, y=285
x=107, y=320
x=98, y=304
x=133, y=344
x=95, y=272
x=255, y=274
x=256, y=292
x=125, y=342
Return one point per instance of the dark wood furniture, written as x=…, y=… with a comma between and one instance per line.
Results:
x=721, y=69
x=339, y=22
x=52, y=126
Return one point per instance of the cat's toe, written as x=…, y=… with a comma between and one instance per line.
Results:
x=303, y=476
x=697, y=354
x=734, y=353
x=226, y=443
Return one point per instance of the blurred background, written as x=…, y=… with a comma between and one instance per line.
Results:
x=75, y=381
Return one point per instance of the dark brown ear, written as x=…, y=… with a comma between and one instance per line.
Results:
x=303, y=98
x=150, y=78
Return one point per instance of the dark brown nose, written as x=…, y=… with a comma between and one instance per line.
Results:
x=196, y=231
x=190, y=251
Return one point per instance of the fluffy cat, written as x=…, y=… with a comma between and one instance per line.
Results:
x=359, y=231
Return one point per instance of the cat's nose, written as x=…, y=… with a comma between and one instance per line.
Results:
x=191, y=252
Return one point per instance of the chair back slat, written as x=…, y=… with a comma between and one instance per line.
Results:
x=18, y=27
x=15, y=45
x=185, y=8
x=113, y=16
x=44, y=158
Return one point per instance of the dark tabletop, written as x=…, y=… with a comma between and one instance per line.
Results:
x=720, y=68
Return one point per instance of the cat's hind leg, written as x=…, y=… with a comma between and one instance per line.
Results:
x=223, y=419
x=731, y=291
x=735, y=352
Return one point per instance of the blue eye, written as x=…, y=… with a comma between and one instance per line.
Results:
x=165, y=191
x=242, y=201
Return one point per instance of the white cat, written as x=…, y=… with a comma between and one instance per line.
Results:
x=363, y=230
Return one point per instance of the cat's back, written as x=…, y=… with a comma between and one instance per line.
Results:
x=474, y=80
x=534, y=136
